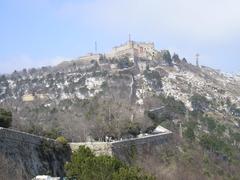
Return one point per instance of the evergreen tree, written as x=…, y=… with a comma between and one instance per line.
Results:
x=85, y=165
x=5, y=118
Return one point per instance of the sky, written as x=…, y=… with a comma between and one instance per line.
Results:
x=35, y=33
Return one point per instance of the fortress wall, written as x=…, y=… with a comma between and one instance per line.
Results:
x=30, y=155
x=142, y=49
x=25, y=150
x=124, y=52
x=19, y=137
x=88, y=58
x=127, y=150
x=149, y=45
x=123, y=47
x=98, y=147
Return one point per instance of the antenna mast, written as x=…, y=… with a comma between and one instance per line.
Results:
x=95, y=46
x=129, y=37
x=197, y=60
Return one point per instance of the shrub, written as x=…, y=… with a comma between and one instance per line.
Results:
x=124, y=63
x=199, y=103
x=154, y=77
x=52, y=133
x=236, y=136
x=5, y=118
x=133, y=129
x=85, y=165
x=176, y=58
x=215, y=144
x=220, y=129
x=189, y=134
x=167, y=57
x=175, y=106
x=131, y=173
x=62, y=140
x=210, y=122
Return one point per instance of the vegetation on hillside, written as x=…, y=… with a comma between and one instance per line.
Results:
x=85, y=165
x=199, y=103
x=124, y=62
x=5, y=118
x=170, y=109
x=207, y=146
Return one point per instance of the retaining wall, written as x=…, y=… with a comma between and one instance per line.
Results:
x=97, y=147
x=32, y=155
x=125, y=150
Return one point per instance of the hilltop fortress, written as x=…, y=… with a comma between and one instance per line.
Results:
x=134, y=49
x=130, y=49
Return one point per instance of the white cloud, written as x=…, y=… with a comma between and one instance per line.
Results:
x=200, y=19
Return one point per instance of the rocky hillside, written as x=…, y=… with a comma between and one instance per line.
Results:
x=86, y=99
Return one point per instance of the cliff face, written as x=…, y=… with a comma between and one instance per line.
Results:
x=27, y=155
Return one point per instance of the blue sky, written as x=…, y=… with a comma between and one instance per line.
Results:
x=34, y=33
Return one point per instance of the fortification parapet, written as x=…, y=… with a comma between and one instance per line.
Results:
x=13, y=135
x=124, y=149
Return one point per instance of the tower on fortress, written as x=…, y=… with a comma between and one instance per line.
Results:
x=197, y=60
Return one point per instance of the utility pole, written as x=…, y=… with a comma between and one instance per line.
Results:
x=96, y=47
x=129, y=37
x=180, y=130
x=197, y=58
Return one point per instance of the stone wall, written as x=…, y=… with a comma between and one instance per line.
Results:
x=133, y=48
x=89, y=57
x=126, y=150
x=32, y=155
x=20, y=137
x=98, y=147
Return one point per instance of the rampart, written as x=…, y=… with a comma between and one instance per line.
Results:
x=97, y=147
x=32, y=155
x=20, y=137
x=36, y=155
x=88, y=58
x=126, y=149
